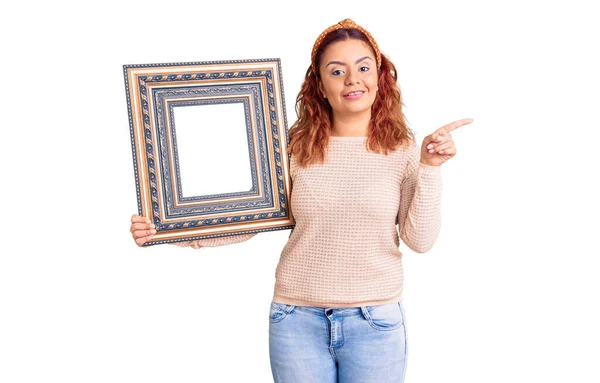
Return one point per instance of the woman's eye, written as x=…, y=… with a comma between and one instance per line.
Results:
x=364, y=68
x=337, y=72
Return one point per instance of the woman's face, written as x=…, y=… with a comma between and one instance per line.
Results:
x=348, y=71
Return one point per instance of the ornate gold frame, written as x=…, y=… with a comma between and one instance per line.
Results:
x=154, y=92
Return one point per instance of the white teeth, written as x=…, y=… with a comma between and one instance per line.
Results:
x=354, y=93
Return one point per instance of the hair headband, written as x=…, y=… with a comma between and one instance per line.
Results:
x=345, y=24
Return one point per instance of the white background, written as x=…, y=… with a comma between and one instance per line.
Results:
x=509, y=293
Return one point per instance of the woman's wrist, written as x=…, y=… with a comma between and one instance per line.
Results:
x=427, y=163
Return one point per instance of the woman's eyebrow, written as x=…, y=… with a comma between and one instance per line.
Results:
x=341, y=63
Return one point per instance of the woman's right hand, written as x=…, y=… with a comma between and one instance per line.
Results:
x=142, y=229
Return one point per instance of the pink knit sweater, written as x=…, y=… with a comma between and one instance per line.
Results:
x=344, y=250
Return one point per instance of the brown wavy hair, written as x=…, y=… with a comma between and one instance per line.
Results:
x=309, y=135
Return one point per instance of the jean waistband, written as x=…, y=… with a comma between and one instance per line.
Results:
x=339, y=311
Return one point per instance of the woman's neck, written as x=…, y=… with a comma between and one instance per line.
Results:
x=351, y=125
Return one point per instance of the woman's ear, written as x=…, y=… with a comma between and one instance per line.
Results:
x=321, y=88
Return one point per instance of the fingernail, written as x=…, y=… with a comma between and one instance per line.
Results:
x=429, y=146
x=430, y=150
x=152, y=226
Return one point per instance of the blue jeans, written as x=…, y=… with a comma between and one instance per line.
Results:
x=359, y=344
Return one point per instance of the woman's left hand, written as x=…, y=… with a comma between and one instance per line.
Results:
x=438, y=147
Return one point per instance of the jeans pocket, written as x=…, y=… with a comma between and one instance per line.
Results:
x=385, y=317
x=279, y=311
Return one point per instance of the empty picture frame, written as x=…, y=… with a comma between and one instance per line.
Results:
x=209, y=143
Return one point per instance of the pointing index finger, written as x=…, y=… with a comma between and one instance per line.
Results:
x=457, y=124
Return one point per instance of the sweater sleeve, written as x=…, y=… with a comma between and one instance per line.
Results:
x=420, y=196
x=214, y=242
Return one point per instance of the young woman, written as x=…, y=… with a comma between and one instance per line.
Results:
x=357, y=172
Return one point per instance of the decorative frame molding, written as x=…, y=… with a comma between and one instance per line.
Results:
x=154, y=92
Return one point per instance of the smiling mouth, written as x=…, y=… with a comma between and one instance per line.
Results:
x=355, y=93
